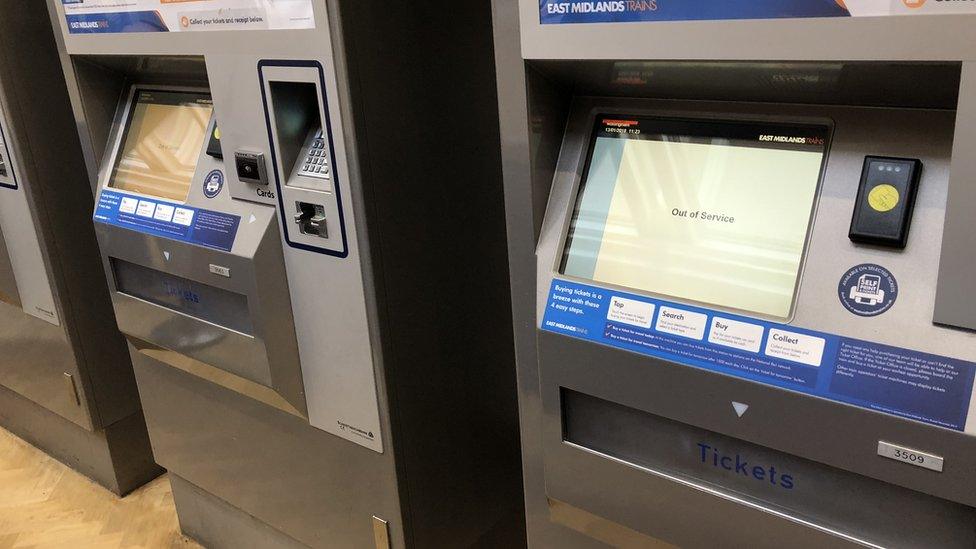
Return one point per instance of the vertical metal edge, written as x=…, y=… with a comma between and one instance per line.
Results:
x=955, y=301
x=69, y=381
x=381, y=533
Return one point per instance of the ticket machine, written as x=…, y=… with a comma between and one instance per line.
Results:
x=300, y=216
x=740, y=240
x=66, y=381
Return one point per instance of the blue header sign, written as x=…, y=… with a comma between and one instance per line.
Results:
x=622, y=11
x=920, y=386
x=168, y=220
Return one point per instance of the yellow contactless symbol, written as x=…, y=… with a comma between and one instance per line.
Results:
x=217, y=133
x=883, y=198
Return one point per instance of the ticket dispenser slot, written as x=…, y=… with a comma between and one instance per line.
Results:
x=185, y=259
x=304, y=157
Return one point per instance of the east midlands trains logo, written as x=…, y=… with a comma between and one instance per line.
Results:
x=612, y=6
x=790, y=139
x=94, y=25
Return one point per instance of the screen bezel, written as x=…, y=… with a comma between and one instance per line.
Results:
x=734, y=121
x=124, y=124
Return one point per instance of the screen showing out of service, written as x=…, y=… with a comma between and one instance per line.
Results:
x=162, y=143
x=706, y=211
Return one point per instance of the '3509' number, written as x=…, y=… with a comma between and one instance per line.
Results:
x=909, y=456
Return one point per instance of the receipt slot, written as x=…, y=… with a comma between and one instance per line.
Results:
x=716, y=351
x=66, y=381
x=301, y=221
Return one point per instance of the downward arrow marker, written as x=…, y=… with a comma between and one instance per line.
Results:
x=252, y=219
x=739, y=408
x=166, y=255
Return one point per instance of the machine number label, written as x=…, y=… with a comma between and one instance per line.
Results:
x=909, y=456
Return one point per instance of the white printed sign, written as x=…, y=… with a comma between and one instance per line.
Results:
x=796, y=347
x=735, y=334
x=682, y=323
x=628, y=311
x=124, y=16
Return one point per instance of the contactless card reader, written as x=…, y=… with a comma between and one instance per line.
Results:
x=885, y=200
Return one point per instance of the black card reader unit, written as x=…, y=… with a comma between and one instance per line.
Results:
x=251, y=168
x=213, y=145
x=885, y=200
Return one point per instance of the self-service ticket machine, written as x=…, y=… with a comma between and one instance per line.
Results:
x=741, y=252
x=66, y=381
x=300, y=216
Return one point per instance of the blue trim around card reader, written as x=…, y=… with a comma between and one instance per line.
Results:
x=327, y=130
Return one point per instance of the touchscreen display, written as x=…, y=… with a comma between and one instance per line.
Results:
x=162, y=142
x=712, y=212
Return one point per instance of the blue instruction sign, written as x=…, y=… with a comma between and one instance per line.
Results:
x=920, y=386
x=169, y=220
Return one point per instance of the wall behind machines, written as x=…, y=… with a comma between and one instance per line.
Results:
x=438, y=239
x=56, y=180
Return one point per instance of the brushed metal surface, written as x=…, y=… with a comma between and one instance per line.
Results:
x=36, y=357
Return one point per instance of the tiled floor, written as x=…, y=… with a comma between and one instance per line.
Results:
x=44, y=504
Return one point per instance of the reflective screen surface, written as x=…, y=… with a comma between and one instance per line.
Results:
x=162, y=143
x=711, y=212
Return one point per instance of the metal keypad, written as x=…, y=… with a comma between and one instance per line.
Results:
x=316, y=162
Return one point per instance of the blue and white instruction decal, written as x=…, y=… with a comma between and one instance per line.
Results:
x=166, y=219
x=911, y=384
x=116, y=16
x=555, y=12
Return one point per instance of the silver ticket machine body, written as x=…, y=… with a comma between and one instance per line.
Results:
x=66, y=381
x=740, y=240
x=299, y=212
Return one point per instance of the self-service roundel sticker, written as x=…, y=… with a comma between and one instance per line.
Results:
x=868, y=290
x=213, y=183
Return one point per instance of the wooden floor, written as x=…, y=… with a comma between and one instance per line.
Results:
x=44, y=504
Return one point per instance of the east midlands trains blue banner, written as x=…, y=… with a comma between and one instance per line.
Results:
x=554, y=12
x=621, y=11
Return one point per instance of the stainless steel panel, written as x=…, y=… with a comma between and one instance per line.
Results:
x=52, y=173
x=527, y=172
x=797, y=489
x=269, y=464
x=912, y=133
x=8, y=284
x=37, y=355
x=956, y=299
x=439, y=379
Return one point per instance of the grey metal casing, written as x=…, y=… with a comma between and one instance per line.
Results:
x=268, y=356
x=774, y=419
x=67, y=381
x=384, y=353
x=534, y=98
